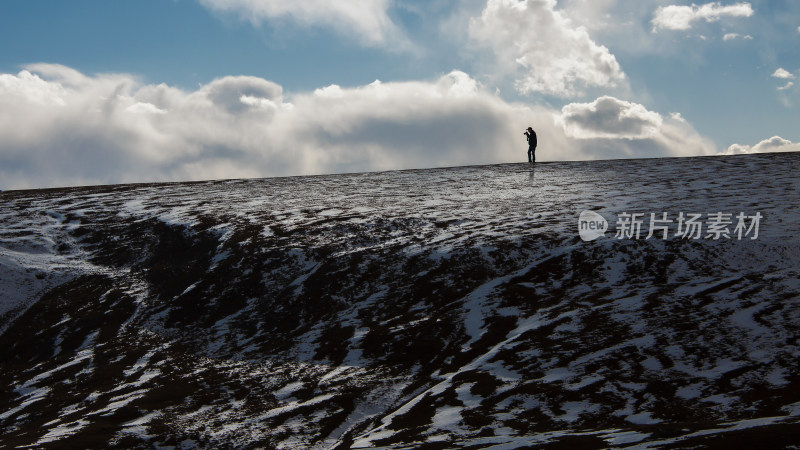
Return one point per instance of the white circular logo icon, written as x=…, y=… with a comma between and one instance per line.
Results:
x=591, y=225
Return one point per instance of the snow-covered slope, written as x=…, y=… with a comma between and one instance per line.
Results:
x=448, y=308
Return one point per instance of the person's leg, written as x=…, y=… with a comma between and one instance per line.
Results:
x=530, y=154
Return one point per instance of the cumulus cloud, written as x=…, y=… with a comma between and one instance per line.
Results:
x=542, y=49
x=782, y=74
x=622, y=129
x=60, y=127
x=365, y=20
x=678, y=17
x=608, y=117
x=773, y=144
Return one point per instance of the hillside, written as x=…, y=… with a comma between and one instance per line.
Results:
x=453, y=307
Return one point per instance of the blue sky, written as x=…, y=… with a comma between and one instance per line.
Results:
x=596, y=78
x=183, y=43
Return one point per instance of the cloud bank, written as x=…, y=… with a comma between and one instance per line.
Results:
x=366, y=21
x=773, y=144
x=542, y=49
x=61, y=127
x=681, y=18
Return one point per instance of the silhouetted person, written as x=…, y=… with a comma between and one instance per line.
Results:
x=531, y=135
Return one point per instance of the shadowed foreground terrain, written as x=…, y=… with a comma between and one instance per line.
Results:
x=442, y=308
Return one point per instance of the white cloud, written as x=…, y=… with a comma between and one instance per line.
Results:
x=617, y=128
x=542, y=49
x=678, y=17
x=367, y=21
x=734, y=36
x=608, y=117
x=782, y=74
x=773, y=144
x=26, y=87
x=594, y=14
x=60, y=127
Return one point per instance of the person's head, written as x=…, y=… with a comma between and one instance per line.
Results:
x=530, y=129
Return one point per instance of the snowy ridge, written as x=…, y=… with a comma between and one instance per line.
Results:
x=446, y=308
